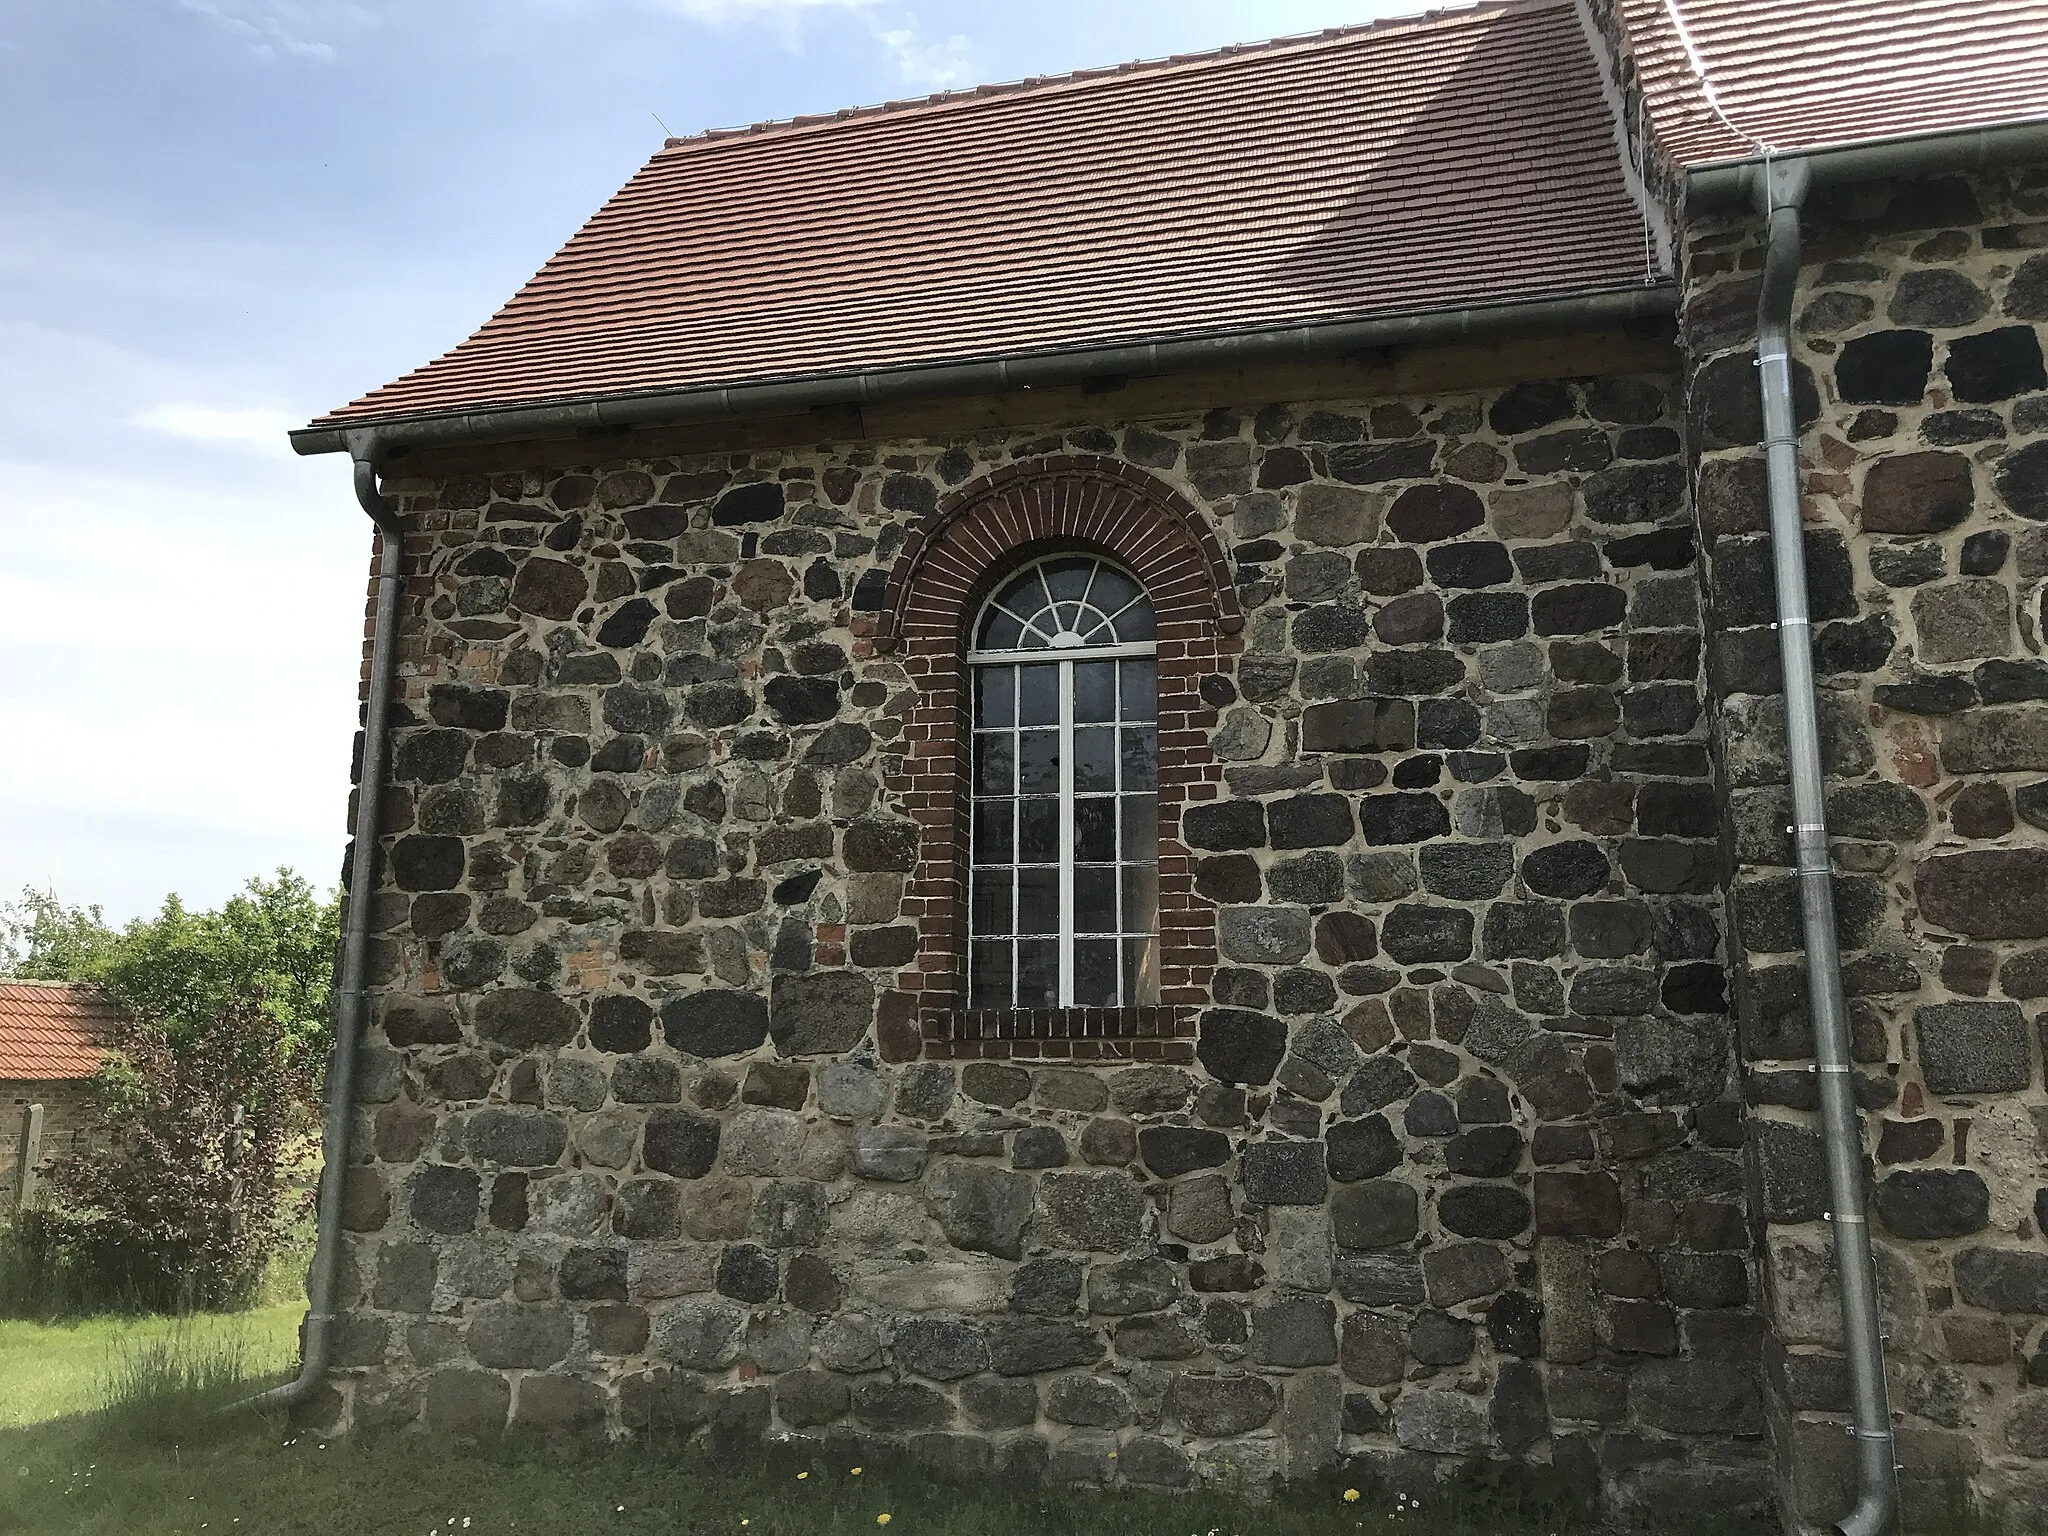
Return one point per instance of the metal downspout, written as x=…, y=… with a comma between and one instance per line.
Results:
x=1780, y=193
x=323, y=1278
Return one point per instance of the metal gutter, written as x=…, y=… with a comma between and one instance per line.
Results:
x=351, y=1001
x=1030, y=370
x=1780, y=197
x=1734, y=183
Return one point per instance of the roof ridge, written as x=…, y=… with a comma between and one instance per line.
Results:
x=1101, y=73
x=36, y=981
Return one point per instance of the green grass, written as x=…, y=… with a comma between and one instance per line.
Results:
x=106, y=1429
x=50, y=1371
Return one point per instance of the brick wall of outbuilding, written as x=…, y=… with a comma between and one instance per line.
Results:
x=1924, y=407
x=68, y=1116
x=1455, y=1168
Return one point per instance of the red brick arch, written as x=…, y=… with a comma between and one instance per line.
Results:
x=949, y=563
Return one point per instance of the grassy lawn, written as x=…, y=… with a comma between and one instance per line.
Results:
x=105, y=1429
x=49, y=1371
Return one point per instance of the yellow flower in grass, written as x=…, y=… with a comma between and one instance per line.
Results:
x=1350, y=1495
x=801, y=1476
x=855, y=1472
x=881, y=1519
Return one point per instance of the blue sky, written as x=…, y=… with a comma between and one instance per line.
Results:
x=218, y=217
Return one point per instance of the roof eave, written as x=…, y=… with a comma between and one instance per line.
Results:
x=988, y=375
x=1727, y=183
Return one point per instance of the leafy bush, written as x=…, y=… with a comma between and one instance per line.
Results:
x=179, y=1207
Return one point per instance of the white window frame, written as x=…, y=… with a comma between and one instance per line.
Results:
x=1066, y=656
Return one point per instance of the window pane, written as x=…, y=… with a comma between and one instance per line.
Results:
x=1112, y=589
x=1139, y=678
x=1038, y=973
x=1095, y=830
x=1068, y=578
x=993, y=823
x=1141, y=897
x=999, y=632
x=1039, y=762
x=1039, y=829
x=1134, y=623
x=1141, y=972
x=1095, y=900
x=989, y=983
x=1024, y=596
x=1094, y=690
x=1095, y=964
x=990, y=914
x=1094, y=760
x=1141, y=828
x=994, y=763
x=995, y=696
x=1038, y=901
x=1140, y=761
x=1038, y=695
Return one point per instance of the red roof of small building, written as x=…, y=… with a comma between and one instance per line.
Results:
x=1460, y=158
x=1807, y=74
x=51, y=1030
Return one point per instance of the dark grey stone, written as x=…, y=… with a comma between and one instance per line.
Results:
x=1284, y=1173
x=1294, y=1331
x=2003, y=1279
x=1790, y=1170
x=1222, y=1405
x=1362, y=1149
x=1376, y=1213
x=515, y=1138
x=1380, y=1279
x=1237, y=1046
x=679, y=1142
x=1973, y=1047
x=1483, y=1210
x=1131, y=1286
x=1101, y=1212
x=1436, y=1338
x=1025, y=1346
x=943, y=1349
x=715, y=1023
x=821, y=1013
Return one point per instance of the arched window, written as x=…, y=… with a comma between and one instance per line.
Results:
x=1064, y=840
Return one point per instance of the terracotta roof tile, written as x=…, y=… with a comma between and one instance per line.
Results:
x=1803, y=74
x=51, y=1030
x=1464, y=157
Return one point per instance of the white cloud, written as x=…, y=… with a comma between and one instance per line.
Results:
x=251, y=429
x=941, y=65
x=278, y=29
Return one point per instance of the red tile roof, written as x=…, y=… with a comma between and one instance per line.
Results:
x=1459, y=158
x=51, y=1030
x=1804, y=74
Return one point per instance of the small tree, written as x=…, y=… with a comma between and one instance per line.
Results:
x=41, y=939
x=181, y=1204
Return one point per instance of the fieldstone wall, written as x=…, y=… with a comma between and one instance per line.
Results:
x=1918, y=345
x=1455, y=1171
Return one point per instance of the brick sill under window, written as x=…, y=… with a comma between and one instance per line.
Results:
x=1163, y=1033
